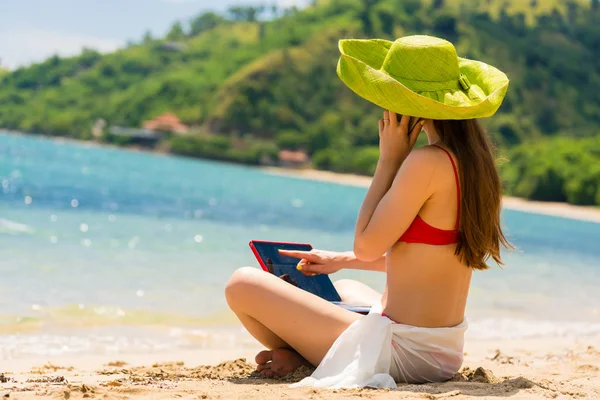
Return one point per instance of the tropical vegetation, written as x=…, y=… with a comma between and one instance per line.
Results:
x=260, y=79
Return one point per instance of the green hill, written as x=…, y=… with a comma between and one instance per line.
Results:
x=251, y=87
x=531, y=9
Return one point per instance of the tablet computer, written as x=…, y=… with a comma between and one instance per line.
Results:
x=267, y=254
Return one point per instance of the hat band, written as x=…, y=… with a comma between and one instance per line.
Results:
x=430, y=86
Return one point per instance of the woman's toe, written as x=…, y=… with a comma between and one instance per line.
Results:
x=262, y=367
x=264, y=357
x=268, y=373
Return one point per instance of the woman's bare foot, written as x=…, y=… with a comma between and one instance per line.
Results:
x=279, y=362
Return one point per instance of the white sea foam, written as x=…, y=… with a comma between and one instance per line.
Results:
x=20, y=346
x=513, y=328
x=145, y=340
x=124, y=341
x=14, y=228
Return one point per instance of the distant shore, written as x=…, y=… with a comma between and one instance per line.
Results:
x=564, y=210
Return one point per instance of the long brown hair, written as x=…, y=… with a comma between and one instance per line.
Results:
x=480, y=192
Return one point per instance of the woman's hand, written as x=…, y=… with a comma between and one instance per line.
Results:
x=316, y=262
x=395, y=141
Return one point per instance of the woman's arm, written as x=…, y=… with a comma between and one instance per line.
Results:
x=354, y=263
x=329, y=262
x=385, y=173
x=400, y=187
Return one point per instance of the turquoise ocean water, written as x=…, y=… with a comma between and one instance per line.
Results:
x=105, y=251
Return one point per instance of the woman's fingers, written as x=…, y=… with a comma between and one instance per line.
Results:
x=386, y=119
x=304, y=267
x=310, y=263
x=309, y=269
x=295, y=253
x=381, y=126
x=414, y=135
x=404, y=123
x=393, y=118
x=302, y=263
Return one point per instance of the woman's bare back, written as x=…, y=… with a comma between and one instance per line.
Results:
x=429, y=283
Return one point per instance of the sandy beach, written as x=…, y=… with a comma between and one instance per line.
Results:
x=518, y=369
x=564, y=210
x=135, y=263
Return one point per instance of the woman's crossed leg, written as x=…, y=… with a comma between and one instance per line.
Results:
x=285, y=319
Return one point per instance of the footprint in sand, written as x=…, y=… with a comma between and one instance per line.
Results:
x=587, y=368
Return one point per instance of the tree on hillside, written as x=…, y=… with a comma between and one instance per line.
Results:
x=290, y=11
x=365, y=16
x=88, y=57
x=245, y=13
x=438, y=4
x=176, y=32
x=387, y=21
x=205, y=22
x=261, y=31
x=411, y=6
x=572, y=12
x=147, y=37
x=446, y=26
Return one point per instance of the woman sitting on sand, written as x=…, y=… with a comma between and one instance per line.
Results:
x=430, y=217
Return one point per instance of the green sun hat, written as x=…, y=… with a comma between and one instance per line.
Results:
x=421, y=76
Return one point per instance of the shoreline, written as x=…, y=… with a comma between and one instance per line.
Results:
x=554, y=209
x=562, y=210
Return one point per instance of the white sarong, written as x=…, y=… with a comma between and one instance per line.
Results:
x=377, y=352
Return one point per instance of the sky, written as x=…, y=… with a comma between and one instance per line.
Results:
x=33, y=30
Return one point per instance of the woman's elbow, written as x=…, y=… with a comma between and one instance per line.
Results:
x=366, y=251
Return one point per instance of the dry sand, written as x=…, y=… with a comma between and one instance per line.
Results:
x=525, y=369
x=564, y=210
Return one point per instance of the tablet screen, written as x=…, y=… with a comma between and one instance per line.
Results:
x=285, y=268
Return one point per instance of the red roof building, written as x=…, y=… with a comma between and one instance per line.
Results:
x=167, y=122
x=289, y=158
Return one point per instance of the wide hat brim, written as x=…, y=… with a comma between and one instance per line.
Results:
x=360, y=68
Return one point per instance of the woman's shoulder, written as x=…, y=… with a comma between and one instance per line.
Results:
x=432, y=163
x=427, y=157
x=420, y=166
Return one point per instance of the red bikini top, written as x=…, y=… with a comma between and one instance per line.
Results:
x=420, y=231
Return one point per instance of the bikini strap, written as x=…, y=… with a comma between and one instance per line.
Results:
x=457, y=185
